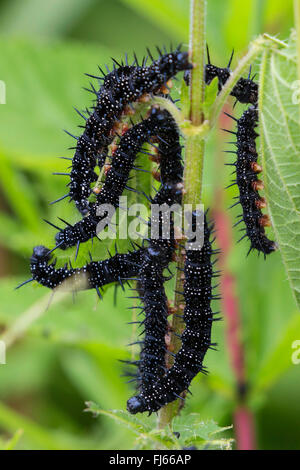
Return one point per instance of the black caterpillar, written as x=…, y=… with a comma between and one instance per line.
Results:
x=121, y=87
x=116, y=177
x=151, y=365
x=246, y=91
x=163, y=127
x=153, y=260
x=126, y=84
x=151, y=292
x=156, y=258
x=198, y=319
x=247, y=168
x=93, y=275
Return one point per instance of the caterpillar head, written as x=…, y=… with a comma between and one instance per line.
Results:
x=174, y=62
x=40, y=253
x=135, y=405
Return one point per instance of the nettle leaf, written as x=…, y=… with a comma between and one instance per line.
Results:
x=122, y=417
x=147, y=436
x=194, y=431
x=187, y=431
x=280, y=150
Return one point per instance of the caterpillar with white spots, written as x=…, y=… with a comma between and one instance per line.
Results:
x=196, y=338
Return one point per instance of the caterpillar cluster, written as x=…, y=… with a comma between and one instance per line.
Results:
x=116, y=179
x=245, y=91
x=120, y=90
x=121, y=87
x=157, y=256
x=195, y=340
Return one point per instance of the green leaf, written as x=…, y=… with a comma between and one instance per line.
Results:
x=59, y=318
x=194, y=431
x=125, y=419
x=171, y=15
x=280, y=150
x=13, y=441
x=280, y=358
x=56, y=17
x=42, y=438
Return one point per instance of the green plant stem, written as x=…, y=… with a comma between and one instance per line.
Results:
x=194, y=149
x=168, y=412
x=194, y=152
x=197, y=57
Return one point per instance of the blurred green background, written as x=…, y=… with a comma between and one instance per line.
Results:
x=63, y=355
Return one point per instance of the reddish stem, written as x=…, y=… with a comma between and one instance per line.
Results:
x=229, y=301
x=243, y=417
x=245, y=428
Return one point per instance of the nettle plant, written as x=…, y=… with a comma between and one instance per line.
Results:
x=133, y=114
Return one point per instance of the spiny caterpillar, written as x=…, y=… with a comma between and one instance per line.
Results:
x=121, y=89
x=159, y=125
x=245, y=90
x=246, y=169
x=195, y=339
x=94, y=275
x=246, y=166
x=115, y=181
x=156, y=258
